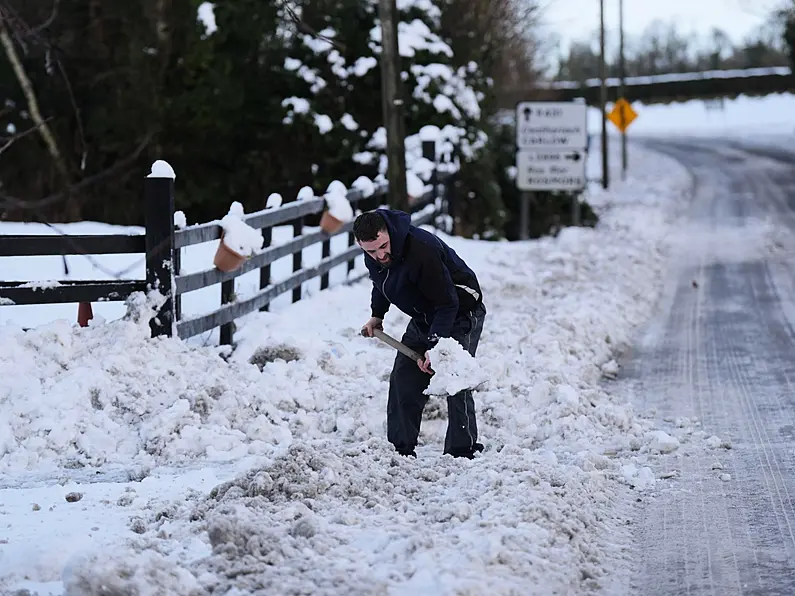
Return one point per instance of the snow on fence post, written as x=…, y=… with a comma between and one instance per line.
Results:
x=159, y=222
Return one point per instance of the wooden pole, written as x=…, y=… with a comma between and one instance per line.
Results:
x=392, y=105
x=603, y=94
x=622, y=88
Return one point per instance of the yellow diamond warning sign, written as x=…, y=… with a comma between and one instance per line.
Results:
x=622, y=114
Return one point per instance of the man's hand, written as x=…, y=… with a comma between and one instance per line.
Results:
x=373, y=323
x=425, y=364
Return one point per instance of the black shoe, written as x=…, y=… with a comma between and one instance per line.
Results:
x=406, y=453
x=470, y=454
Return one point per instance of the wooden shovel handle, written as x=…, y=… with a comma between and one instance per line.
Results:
x=399, y=346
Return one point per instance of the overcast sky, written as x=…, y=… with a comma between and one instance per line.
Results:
x=577, y=19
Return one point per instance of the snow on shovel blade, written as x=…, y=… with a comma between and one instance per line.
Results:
x=454, y=369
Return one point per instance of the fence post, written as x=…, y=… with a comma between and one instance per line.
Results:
x=298, y=230
x=177, y=269
x=325, y=253
x=449, y=197
x=159, y=221
x=265, y=272
x=429, y=153
x=227, y=329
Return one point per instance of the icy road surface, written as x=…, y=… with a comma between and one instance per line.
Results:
x=717, y=364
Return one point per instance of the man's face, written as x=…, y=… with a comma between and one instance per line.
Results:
x=379, y=248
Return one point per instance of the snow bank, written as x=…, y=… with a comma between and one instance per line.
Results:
x=329, y=507
x=108, y=394
x=742, y=116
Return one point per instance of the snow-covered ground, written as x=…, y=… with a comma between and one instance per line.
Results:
x=770, y=115
x=140, y=466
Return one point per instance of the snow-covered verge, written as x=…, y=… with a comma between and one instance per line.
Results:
x=287, y=483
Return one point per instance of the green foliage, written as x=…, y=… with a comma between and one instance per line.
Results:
x=271, y=101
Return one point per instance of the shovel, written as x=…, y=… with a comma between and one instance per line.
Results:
x=407, y=351
x=399, y=346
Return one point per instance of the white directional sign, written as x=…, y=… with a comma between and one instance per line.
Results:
x=551, y=125
x=550, y=170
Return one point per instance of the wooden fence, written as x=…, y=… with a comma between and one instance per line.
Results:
x=163, y=243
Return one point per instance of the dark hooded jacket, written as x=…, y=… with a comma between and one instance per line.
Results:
x=426, y=279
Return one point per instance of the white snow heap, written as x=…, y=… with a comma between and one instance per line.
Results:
x=337, y=200
x=414, y=185
x=454, y=369
x=162, y=169
x=206, y=14
x=429, y=132
x=305, y=194
x=180, y=220
x=274, y=201
x=364, y=185
x=238, y=235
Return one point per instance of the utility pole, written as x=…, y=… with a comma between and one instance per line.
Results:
x=623, y=73
x=603, y=94
x=392, y=105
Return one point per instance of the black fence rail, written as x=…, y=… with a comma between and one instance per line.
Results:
x=68, y=291
x=162, y=244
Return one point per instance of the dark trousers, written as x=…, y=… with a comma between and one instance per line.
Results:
x=407, y=383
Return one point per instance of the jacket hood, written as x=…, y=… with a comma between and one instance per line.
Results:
x=397, y=224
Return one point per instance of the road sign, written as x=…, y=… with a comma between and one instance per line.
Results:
x=551, y=125
x=622, y=114
x=550, y=170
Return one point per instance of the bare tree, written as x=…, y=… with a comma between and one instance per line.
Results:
x=6, y=24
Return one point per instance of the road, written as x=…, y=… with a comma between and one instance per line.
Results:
x=719, y=357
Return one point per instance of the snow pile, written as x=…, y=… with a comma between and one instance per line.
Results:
x=180, y=220
x=329, y=507
x=206, y=15
x=274, y=201
x=454, y=369
x=661, y=441
x=238, y=235
x=337, y=200
x=108, y=394
x=325, y=519
x=364, y=185
x=414, y=185
x=161, y=169
x=103, y=573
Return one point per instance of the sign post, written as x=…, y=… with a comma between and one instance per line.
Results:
x=622, y=115
x=551, y=143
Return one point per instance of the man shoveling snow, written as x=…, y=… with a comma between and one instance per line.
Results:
x=425, y=278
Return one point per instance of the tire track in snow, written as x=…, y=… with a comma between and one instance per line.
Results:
x=717, y=359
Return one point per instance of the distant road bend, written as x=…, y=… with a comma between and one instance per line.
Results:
x=722, y=351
